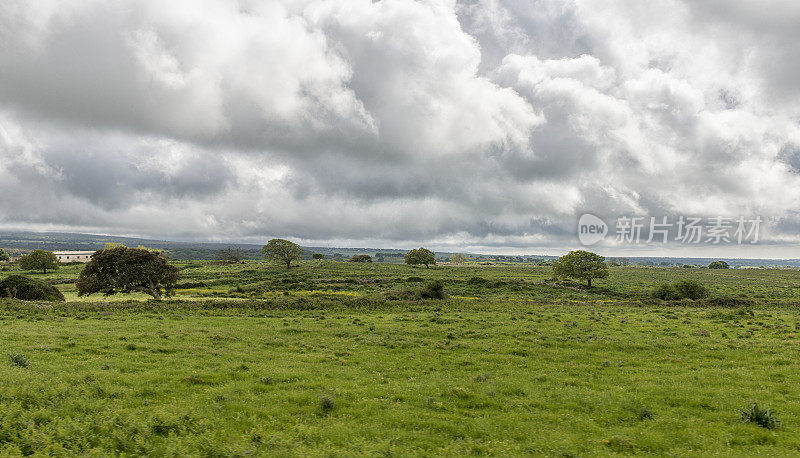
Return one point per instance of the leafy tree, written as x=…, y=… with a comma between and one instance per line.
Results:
x=582, y=265
x=283, y=251
x=379, y=257
x=232, y=255
x=318, y=256
x=458, y=258
x=420, y=256
x=39, y=260
x=718, y=265
x=361, y=258
x=4, y=256
x=124, y=270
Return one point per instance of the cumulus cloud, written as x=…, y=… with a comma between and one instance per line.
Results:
x=480, y=124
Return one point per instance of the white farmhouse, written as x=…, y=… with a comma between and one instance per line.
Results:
x=74, y=256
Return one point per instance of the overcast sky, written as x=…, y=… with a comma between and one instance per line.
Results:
x=479, y=125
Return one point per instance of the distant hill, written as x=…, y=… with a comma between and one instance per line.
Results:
x=23, y=242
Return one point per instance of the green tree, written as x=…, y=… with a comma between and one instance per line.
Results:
x=39, y=260
x=718, y=265
x=458, y=258
x=124, y=270
x=283, y=251
x=420, y=256
x=317, y=256
x=361, y=258
x=4, y=256
x=581, y=265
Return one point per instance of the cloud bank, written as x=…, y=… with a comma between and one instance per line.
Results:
x=484, y=124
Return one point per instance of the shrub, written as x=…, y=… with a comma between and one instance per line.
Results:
x=361, y=258
x=414, y=279
x=476, y=281
x=718, y=265
x=432, y=290
x=326, y=403
x=690, y=289
x=666, y=292
x=18, y=360
x=29, y=289
x=761, y=416
x=687, y=289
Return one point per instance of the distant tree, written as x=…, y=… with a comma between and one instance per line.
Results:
x=379, y=257
x=582, y=265
x=4, y=256
x=231, y=255
x=718, y=265
x=458, y=258
x=124, y=270
x=318, y=256
x=283, y=251
x=420, y=256
x=39, y=260
x=361, y=258
x=338, y=256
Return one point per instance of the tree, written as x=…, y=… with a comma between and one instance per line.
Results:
x=232, y=255
x=283, y=251
x=379, y=257
x=458, y=258
x=4, y=256
x=39, y=260
x=420, y=256
x=318, y=256
x=124, y=270
x=718, y=265
x=361, y=258
x=582, y=265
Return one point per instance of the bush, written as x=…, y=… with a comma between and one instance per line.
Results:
x=477, y=281
x=361, y=258
x=761, y=416
x=718, y=265
x=18, y=360
x=432, y=290
x=666, y=292
x=687, y=289
x=29, y=289
x=690, y=289
x=414, y=279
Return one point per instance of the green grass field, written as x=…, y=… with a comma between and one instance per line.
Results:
x=324, y=359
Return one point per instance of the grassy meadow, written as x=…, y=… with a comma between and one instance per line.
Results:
x=338, y=359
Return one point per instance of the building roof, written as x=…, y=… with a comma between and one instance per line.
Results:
x=72, y=252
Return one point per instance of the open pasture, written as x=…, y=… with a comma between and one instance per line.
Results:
x=323, y=359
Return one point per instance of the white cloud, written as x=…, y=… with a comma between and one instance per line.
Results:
x=478, y=123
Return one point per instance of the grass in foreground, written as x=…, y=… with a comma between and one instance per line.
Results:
x=518, y=379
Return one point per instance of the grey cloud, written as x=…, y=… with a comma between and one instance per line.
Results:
x=491, y=123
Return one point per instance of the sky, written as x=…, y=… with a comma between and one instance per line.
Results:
x=477, y=125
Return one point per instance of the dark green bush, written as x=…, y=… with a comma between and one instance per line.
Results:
x=686, y=289
x=432, y=290
x=666, y=292
x=477, y=281
x=690, y=289
x=761, y=416
x=414, y=279
x=29, y=289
